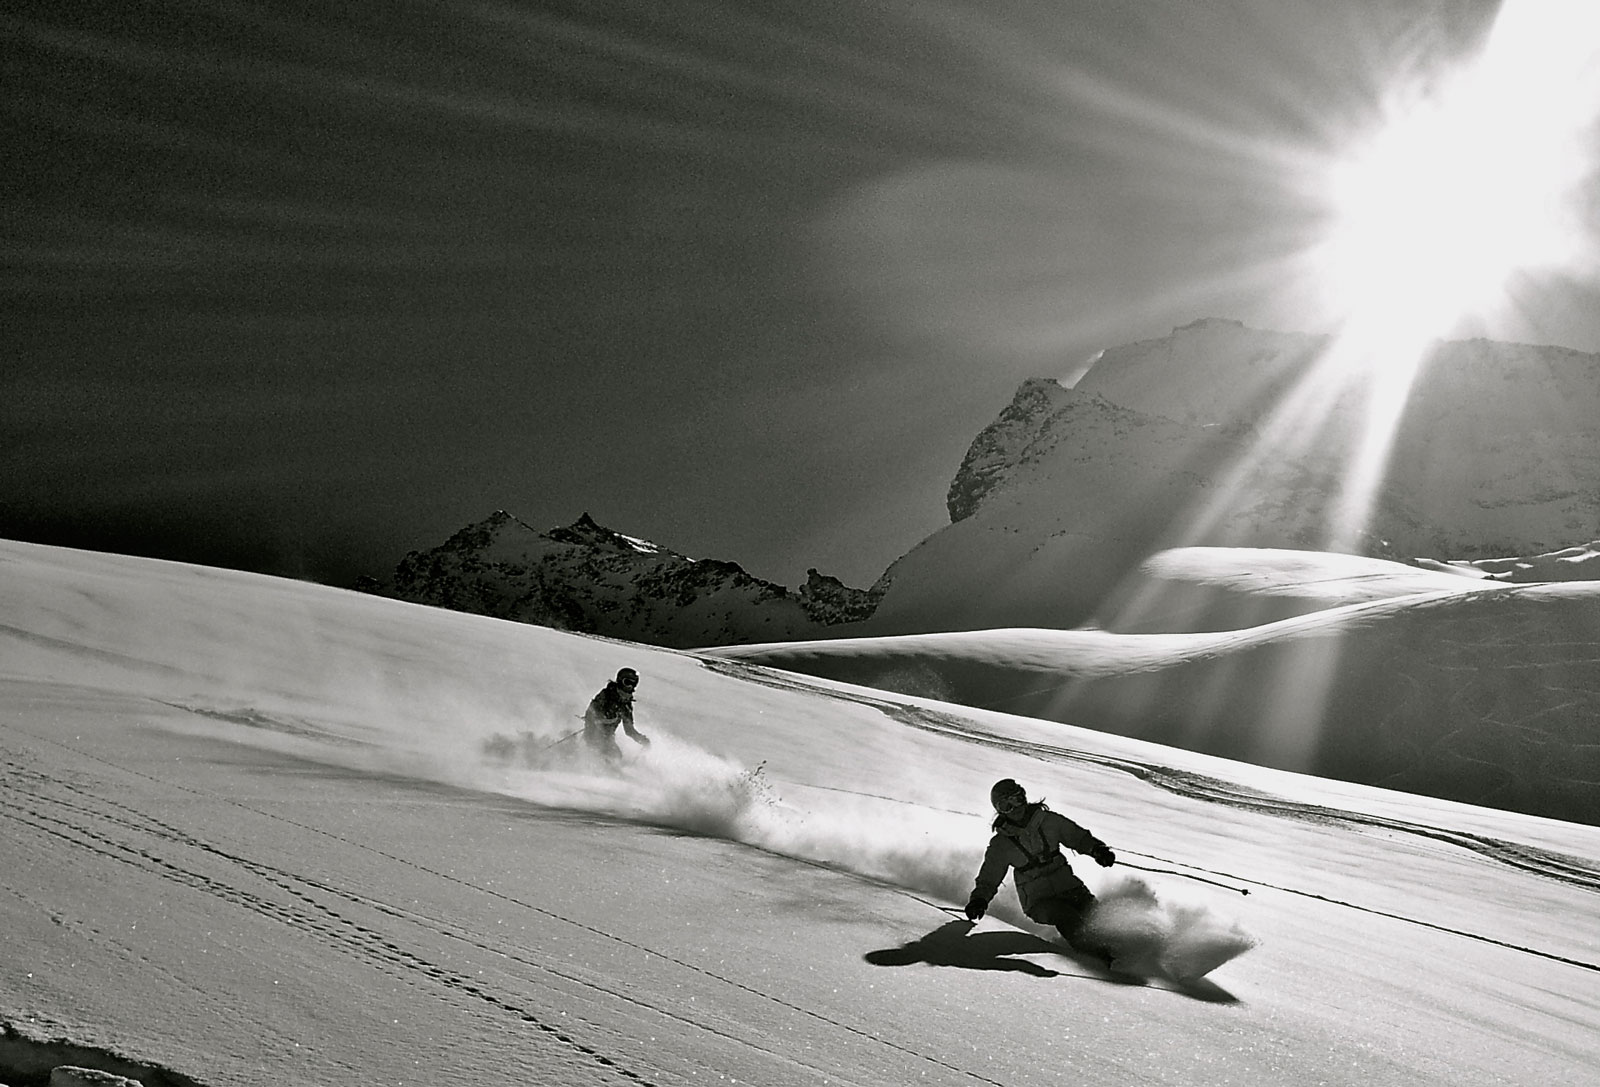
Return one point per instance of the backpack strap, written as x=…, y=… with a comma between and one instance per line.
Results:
x=1035, y=860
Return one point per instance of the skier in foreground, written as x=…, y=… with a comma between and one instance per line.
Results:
x=1028, y=838
x=613, y=706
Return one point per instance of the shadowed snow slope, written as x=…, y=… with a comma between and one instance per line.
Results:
x=248, y=836
x=1430, y=682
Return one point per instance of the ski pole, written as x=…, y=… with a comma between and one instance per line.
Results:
x=561, y=741
x=941, y=907
x=1185, y=875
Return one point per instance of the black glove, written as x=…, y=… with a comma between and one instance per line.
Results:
x=975, y=908
x=1103, y=856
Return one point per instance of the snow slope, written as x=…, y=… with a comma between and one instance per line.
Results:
x=247, y=836
x=1454, y=686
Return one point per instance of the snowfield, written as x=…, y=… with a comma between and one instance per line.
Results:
x=250, y=834
x=1359, y=669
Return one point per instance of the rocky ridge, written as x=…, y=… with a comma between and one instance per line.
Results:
x=587, y=578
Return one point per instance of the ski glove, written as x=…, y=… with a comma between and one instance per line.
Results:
x=976, y=907
x=1103, y=856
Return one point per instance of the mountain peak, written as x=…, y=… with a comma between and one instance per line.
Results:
x=1004, y=443
x=588, y=532
x=587, y=577
x=481, y=534
x=1162, y=443
x=1209, y=322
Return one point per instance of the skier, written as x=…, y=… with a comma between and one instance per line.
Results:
x=613, y=706
x=1028, y=838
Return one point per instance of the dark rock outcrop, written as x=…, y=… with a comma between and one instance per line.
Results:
x=587, y=578
x=829, y=601
x=1004, y=445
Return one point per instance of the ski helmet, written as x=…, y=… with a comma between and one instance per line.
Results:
x=628, y=678
x=1005, y=789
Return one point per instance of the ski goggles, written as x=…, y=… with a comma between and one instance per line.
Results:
x=1008, y=802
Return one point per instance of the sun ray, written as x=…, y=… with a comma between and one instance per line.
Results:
x=1461, y=194
x=1461, y=188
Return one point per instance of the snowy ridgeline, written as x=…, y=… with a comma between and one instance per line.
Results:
x=586, y=578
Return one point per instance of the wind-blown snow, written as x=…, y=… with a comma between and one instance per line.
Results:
x=250, y=835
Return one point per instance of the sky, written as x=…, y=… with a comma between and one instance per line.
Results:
x=299, y=288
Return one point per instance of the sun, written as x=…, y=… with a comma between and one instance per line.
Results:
x=1471, y=188
x=1463, y=187
x=1439, y=210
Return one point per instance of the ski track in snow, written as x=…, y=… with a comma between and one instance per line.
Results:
x=701, y=793
x=153, y=846
x=706, y=794
x=313, y=908
x=1546, y=863
x=1552, y=865
x=683, y=787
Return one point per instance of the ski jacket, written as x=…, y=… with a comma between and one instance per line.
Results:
x=613, y=706
x=1032, y=849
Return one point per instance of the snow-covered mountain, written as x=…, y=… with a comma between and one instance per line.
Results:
x=589, y=579
x=1173, y=442
x=1163, y=443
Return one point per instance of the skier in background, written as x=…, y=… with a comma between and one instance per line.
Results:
x=613, y=706
x=1028, y=839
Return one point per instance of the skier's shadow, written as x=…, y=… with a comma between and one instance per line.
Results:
x=950, y=945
